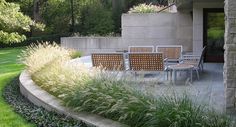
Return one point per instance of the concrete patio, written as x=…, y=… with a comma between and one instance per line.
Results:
x=208, y=90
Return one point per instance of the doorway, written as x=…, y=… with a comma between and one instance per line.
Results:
x=213, y=34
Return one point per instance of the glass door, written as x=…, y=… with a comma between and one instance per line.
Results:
x=214, y=28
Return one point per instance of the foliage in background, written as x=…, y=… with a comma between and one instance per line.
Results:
x=215, y=33
x=96, y=20
x=92, y=17
x=75, y=54
x=26, y=6
x=147, y=8
x=13, y=22
x=99, y=92
x=56, y=16
x=89, y=15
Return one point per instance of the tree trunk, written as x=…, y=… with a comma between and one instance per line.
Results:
x=36, y=8
x=36, y=15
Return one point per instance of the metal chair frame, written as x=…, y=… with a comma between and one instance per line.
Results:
x=172, y=52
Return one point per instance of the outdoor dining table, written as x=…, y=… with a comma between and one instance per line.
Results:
x=180, y=67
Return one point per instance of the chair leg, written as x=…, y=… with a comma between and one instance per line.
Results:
x=167, y=74
x=197, y=73
x=202, y=65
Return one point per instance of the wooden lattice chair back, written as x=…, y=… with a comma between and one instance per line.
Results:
x=108, y=61
x=172, y=52
x=146, y=61
x=141, y=49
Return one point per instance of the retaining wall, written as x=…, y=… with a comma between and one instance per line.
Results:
x=43, y=99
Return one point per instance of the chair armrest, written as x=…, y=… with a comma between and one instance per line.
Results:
x=191, y=55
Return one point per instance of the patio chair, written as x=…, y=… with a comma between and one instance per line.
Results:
x=172, y=52
x=195, y=60
x=141, y=49
x=151, y=62
x=109, y=61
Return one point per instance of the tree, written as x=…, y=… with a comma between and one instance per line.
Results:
x=96, y=20
x=13, y=22
x=56, y=15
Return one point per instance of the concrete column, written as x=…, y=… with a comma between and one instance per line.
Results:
x=230, y=54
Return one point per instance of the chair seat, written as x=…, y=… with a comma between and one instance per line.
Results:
x=194, y=63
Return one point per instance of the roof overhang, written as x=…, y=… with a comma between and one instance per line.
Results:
x=188, y=4
x=182, y=4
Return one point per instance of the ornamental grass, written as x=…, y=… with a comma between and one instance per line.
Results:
x=96, y=91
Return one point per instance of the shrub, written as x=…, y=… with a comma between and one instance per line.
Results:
x=75, y=54
x=146, y=8
x=38, y=115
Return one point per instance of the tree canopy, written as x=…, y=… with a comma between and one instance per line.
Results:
x=13, y=23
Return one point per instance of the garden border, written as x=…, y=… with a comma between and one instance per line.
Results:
x=41, y=98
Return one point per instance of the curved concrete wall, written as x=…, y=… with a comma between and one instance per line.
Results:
x=41, y=98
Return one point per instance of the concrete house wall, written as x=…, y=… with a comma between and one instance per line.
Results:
x=158, y=29
x=198, y=6
x=140, y=29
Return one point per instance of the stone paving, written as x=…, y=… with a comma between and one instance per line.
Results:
x=208, y=90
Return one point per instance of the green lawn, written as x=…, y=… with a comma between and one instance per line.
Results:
x=9, y=68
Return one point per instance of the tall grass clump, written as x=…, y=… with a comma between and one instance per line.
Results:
x=146, y=8
x=181, y=111
x=96, y=91
x=37, y=56
x=50, y=68
x=114, y=99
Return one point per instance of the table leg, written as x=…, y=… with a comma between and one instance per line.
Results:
x=167, y=74
x=174, y=75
